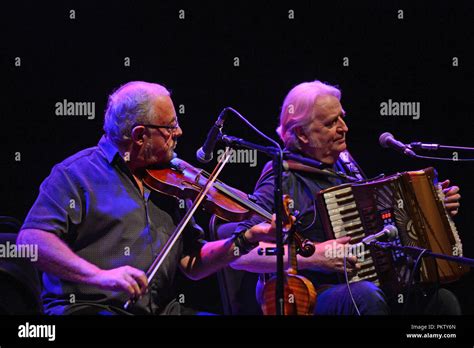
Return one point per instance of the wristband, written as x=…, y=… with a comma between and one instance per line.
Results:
x=243, y=243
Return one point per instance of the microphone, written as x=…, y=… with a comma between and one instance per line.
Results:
x=423, y=146
x=389, y=231
x=387, y=140
x=205, y=153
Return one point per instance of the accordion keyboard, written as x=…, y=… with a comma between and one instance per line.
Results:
x=345, y=221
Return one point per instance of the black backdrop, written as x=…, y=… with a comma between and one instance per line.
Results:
x=424, y=57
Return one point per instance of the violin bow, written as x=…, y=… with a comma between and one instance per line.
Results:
x=184, y=221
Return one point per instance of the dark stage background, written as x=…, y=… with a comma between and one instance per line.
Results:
x=404, y=51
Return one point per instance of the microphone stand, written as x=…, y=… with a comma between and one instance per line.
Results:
x=423, y=146
x=416, y=251
x=419, y=253
x=434, y=147
x=277, y=162
x=277, y=155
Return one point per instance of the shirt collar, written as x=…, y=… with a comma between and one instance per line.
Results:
x=108, y=148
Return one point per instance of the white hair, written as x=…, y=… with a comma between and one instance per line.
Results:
x=298, y=109
x=129, y=105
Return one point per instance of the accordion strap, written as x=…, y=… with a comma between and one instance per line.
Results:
x=296, y=166
x=347, y=164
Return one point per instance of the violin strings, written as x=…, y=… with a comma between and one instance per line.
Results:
x=222, y=187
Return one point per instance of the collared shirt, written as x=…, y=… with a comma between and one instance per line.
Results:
x=92, y=202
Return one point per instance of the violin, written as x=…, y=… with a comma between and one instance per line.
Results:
x=183, y=181
x=299, y=293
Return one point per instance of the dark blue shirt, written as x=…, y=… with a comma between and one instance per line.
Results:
x=302, y=187
x=92, y=202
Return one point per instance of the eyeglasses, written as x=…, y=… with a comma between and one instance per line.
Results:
x=172, y=129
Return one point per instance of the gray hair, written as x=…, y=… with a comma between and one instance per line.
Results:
x=129, y=105
x=298, y=109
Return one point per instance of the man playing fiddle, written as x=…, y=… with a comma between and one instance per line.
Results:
x=98, y=228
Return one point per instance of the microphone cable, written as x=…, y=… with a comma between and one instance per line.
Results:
x=349, y=285
x=444, y=158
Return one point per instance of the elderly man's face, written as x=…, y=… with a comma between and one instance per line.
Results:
x=324, y=138
x=159, y=143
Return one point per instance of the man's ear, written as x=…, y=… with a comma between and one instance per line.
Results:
x=137, y=135
x=301, y=135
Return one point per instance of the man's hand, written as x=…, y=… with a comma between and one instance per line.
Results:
x=329, y=257
x=452, y=197
x=131, y=280
x=263, y=232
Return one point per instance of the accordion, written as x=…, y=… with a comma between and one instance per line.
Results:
x=413, y=203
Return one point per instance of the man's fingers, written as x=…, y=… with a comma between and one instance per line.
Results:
x=445, y=183
x=452, y=206
x=127, y=287
x=453, y=198
x=142, y=282
x=352, y=260
x=351, y=264
x=352, y=273
x=343, y=240
x=451, y=190
x=133, y=284
x=273, y=223
x=139, y=278
x=265, y=226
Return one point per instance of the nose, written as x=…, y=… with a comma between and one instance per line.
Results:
x=343, y=125
x=178, y=132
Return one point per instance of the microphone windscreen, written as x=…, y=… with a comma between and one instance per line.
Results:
x=384, y=138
